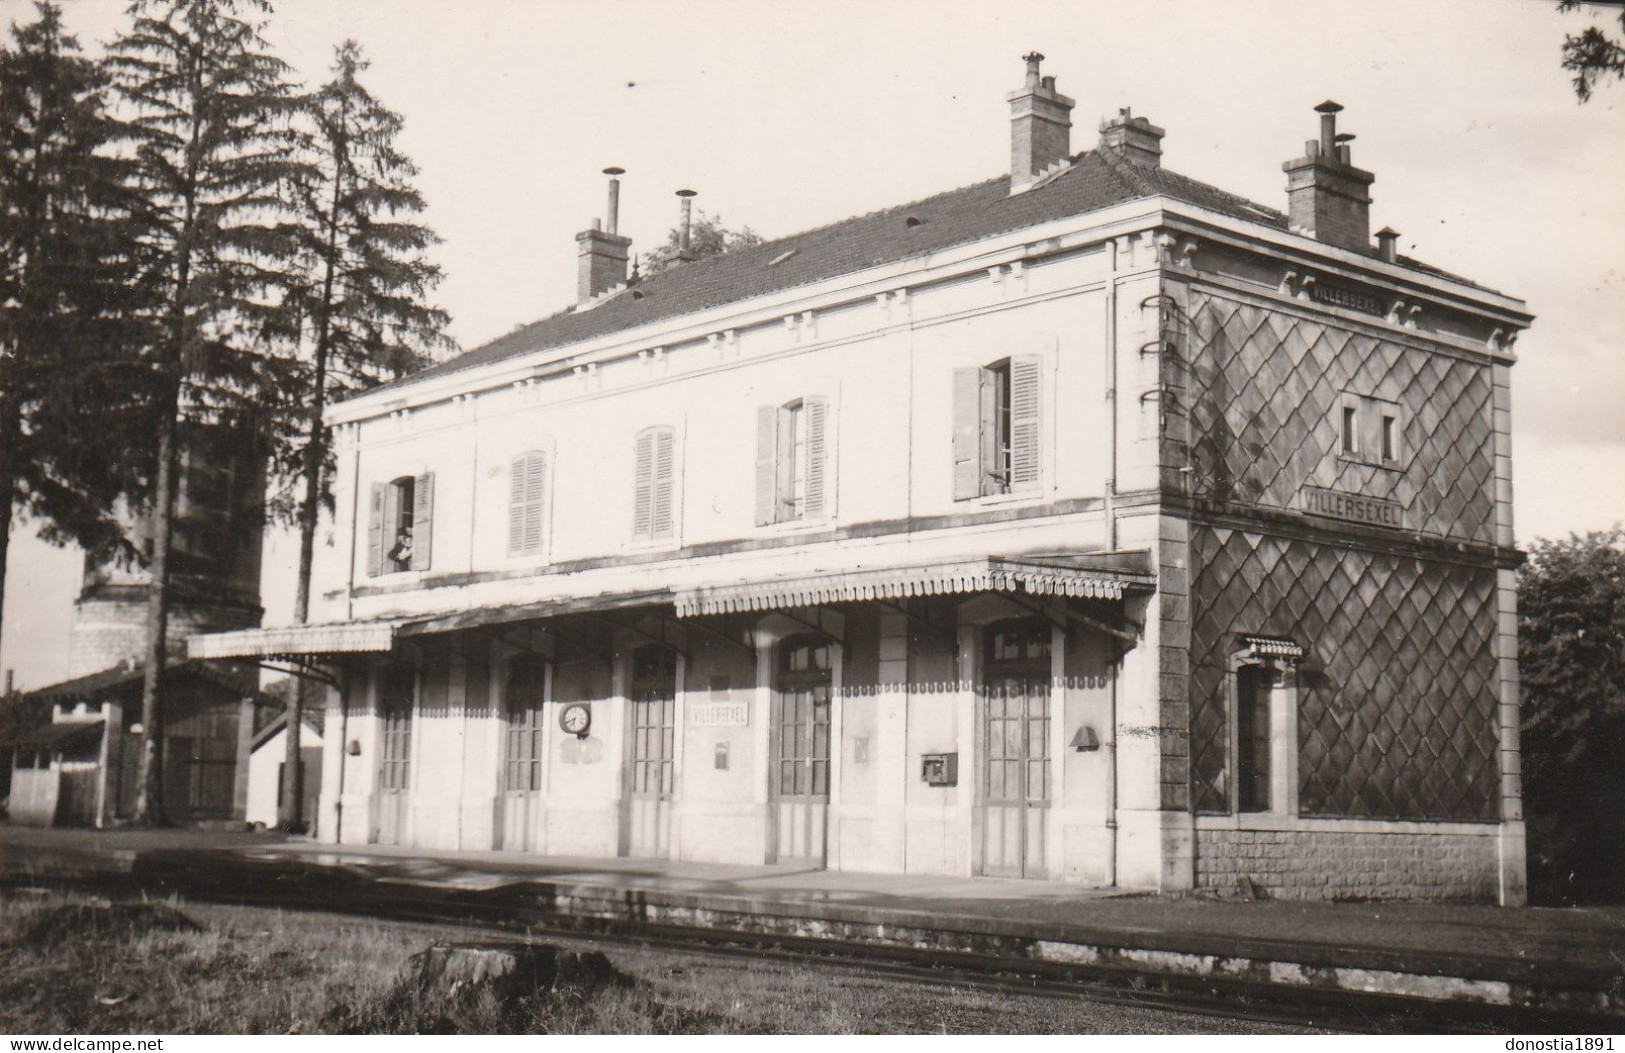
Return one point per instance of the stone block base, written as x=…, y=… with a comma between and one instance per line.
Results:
x=1365, y=861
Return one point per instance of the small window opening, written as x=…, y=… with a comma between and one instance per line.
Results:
x=1350, y=429
x=403, y=499
x=1388, y=445
x=912, y=222
x=1001, y=426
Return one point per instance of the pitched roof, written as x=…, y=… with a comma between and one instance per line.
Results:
x=1095, y=180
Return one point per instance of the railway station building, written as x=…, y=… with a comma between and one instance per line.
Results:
x=1088, y=524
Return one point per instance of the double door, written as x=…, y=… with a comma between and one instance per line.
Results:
x=1015, y=738
x=652, y=758
x=397, y=689
x=801, y=752
x=525, y=713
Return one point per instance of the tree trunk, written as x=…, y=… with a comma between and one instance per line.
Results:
x=291, y=815
x=8, y=484
x=149, y=800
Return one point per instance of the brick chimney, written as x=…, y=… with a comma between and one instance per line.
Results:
x=1040, y=126
x=1327, y=197
x=1132, y=138
x=601, y=253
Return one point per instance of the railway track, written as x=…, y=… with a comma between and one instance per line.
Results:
x=510, y=911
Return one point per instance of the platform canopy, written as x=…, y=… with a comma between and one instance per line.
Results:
x=296, y=641
x=1038, y=577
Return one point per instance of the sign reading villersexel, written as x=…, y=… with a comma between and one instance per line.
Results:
x=719, y=715
x=1352, y=508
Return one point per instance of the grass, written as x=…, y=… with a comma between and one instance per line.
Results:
x=76, y=964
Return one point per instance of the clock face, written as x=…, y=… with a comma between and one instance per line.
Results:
x=575, y=718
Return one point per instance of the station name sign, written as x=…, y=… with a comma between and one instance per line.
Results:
x=1342, y=296
x=719, y=715
x=1352, y=508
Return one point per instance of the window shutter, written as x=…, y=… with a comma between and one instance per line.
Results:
x=527, y=502
x=817, y=411
x=968, y=432
x=375, y=531
x=664, y=483
x=642, y=484
x=422, y=520
x=767, y=478
x=1026, y=435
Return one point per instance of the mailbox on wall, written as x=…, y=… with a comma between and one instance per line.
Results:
x=940, y=769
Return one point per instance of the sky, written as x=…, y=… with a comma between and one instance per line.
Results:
x=790, y=116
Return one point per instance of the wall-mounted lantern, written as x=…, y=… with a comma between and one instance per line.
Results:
x=1085, y=739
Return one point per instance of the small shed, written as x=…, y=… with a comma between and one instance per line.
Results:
x=267, y=771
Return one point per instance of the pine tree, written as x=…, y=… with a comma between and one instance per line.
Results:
x=364, y=303
x=211, y=111
x=65, y=309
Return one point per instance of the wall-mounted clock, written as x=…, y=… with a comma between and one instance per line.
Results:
x=576, y=718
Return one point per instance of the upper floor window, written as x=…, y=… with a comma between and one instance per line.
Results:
x=400, y=525
x=527, y=503
x=654, y=484
x=997, y=434
x=1370, y=430
x=792, y=462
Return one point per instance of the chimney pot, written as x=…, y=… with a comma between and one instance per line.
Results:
x=614, y=198
x=1040, y=126
x=1388, y=244
x=684, y=253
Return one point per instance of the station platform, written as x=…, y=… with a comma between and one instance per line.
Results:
x=1569, y=960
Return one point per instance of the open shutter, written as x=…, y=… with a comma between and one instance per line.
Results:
x=375, y=531
x=767, y=479
x=1026, y=435
x=664, y=484
x=818, y=502
x=422, y=521
x=642, y=484
x=968, y=432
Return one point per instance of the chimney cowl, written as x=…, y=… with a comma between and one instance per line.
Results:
x=1132, y=138
x=1040, y=126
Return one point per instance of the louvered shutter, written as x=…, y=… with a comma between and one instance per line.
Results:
x=767, y=478
x=1026, y=410
x=665, y=469
x=642, y=484
x=422, y=521
x=968, y=431
x=375, y=531
x=818, y=490
x=527, y=496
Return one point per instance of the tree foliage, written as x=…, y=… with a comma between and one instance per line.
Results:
x=1571, y=598
x=707, y=237
x=210, y=110
x=1592, y=55
x=363, y=301
x=66, y=314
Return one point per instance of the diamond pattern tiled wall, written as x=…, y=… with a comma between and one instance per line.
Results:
x=1397, y=711
x=1397, y=699
x=1264, y=390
